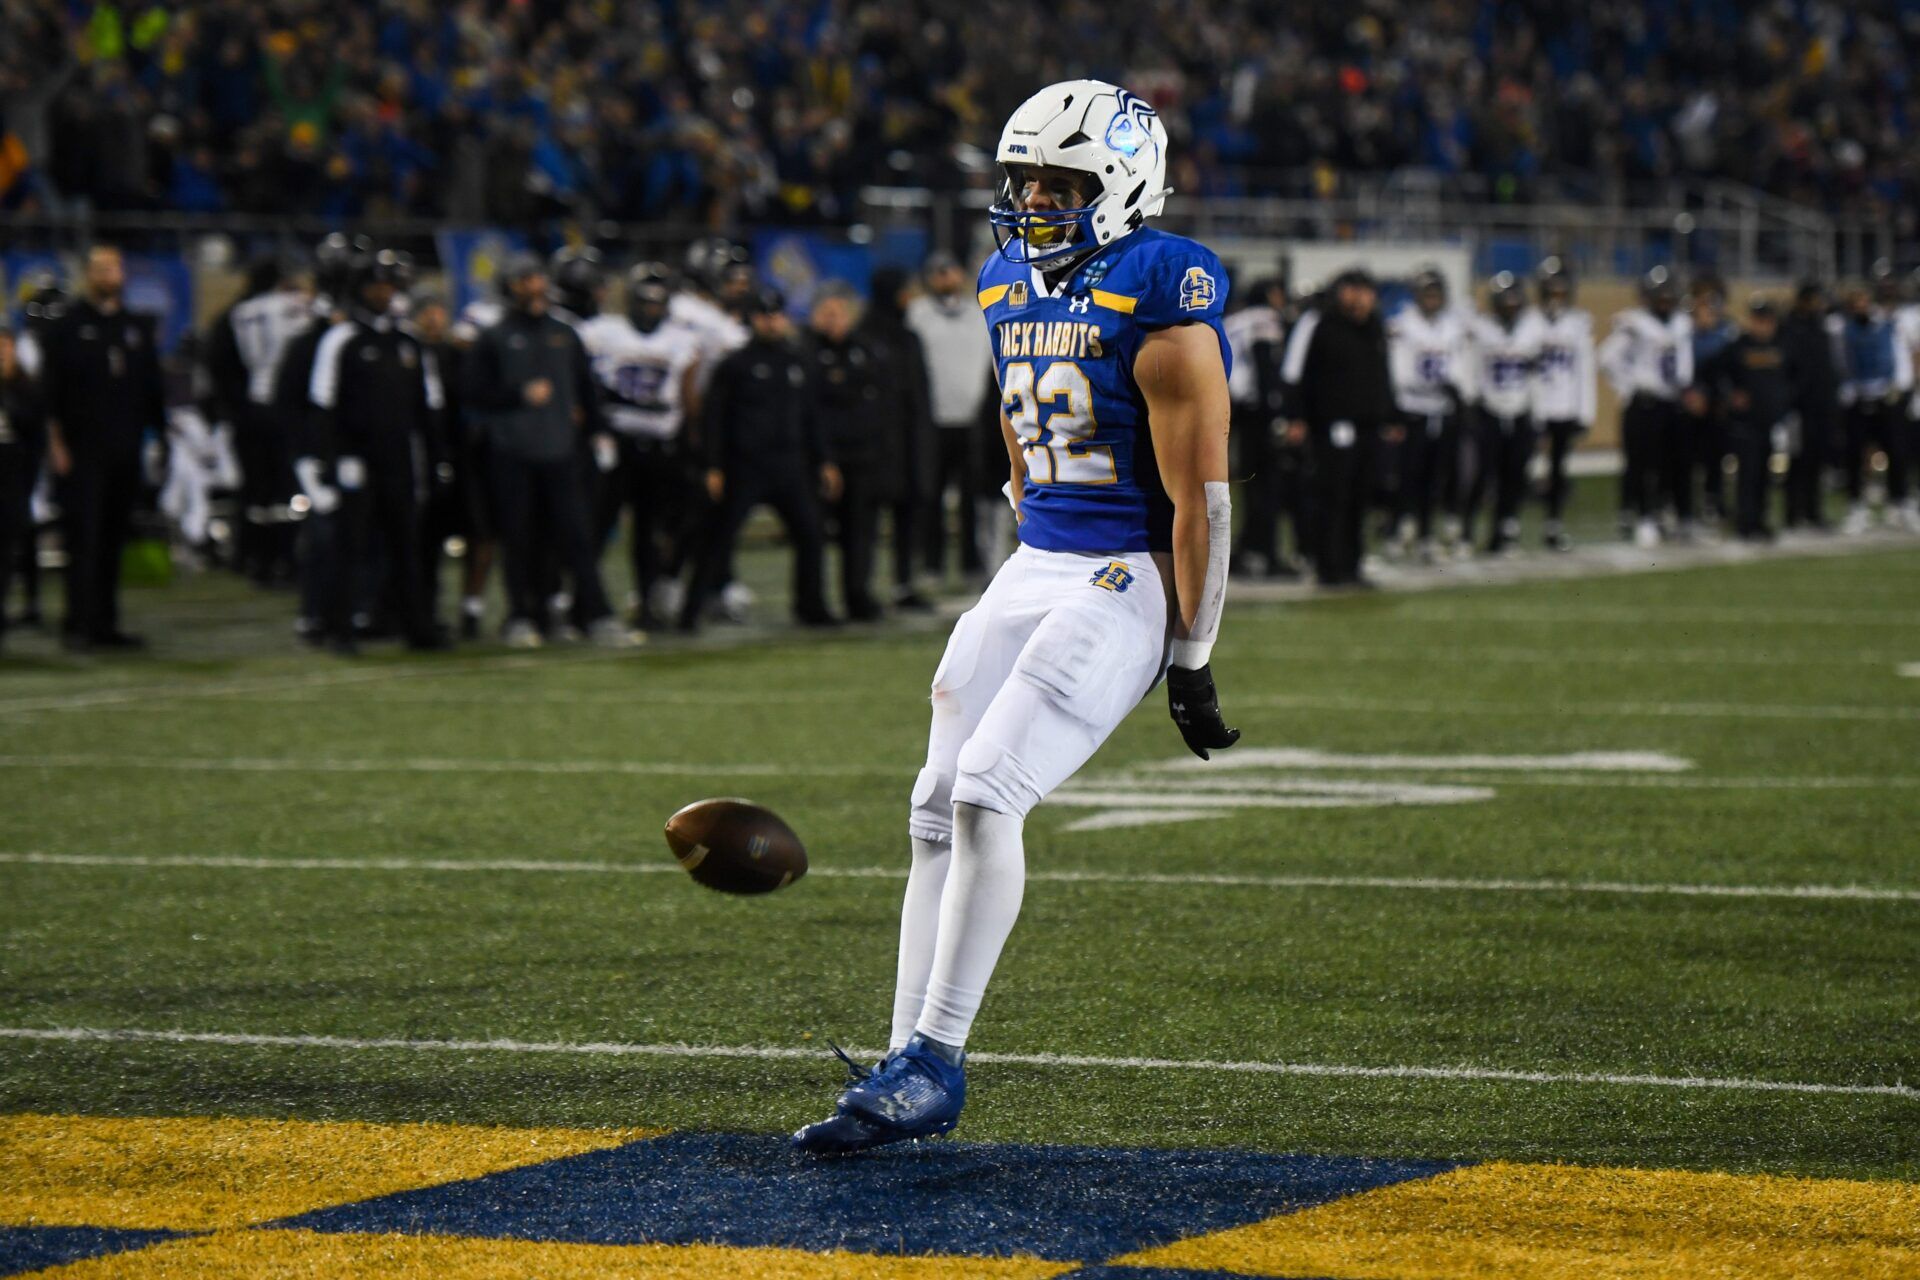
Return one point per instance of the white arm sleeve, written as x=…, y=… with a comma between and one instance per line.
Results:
x=1193, y=652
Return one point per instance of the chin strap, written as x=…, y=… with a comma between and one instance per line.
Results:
x=1193, y=652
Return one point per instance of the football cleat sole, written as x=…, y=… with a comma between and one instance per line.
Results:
x=845, y=1135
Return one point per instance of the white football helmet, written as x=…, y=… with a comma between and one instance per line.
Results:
x=1101, y=130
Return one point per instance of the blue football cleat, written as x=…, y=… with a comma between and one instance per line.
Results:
x=914, y=1093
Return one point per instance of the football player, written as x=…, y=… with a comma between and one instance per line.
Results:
x=1649, y=359
x=1112, y=368
x=1428, y=347
x=1564, y=395
x=648, y=367
x=1506, y=348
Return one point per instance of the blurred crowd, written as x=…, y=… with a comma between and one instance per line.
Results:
x=1426, y=434
x=509, y=111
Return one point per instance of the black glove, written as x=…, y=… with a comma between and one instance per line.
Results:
x=1196, y=710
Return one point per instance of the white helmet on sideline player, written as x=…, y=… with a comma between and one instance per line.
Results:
x=1095, y=128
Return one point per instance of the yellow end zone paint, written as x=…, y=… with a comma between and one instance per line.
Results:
x=204, y=1173
x=1558, y=1222
x=246, y=1255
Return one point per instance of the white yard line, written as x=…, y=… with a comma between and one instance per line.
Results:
x=1411, y=884
x=637, y=699
x=1653, y=617
x=268, y=764
x=268, y=685
x=686, y=769
x=1500, y=1075
x=1548, y=710
x=1306, y=758
x=1416, y=652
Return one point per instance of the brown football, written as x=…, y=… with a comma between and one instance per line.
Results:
x=736, y=846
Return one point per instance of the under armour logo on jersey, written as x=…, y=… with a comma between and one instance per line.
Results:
x=1196, y=290
x=1117, y=576
x=1081, y=305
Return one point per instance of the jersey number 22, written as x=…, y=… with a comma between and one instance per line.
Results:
x=1054, y=436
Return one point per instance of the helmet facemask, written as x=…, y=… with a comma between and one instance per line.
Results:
x=1055, y=235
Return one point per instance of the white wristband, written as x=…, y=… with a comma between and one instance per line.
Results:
x=1190, y=655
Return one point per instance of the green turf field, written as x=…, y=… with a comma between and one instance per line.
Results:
x=1781, y=747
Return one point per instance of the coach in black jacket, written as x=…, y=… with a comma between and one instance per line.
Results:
x=23, y=421
x=763, y=441
x=379, y=399
x=1809, y=341
x=104, y=393
x=1754, y=383
x=529, y=379
x=1338, y=386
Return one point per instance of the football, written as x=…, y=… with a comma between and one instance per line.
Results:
x=736, y=846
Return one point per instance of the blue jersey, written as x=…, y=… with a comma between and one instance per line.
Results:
x=1065, y=364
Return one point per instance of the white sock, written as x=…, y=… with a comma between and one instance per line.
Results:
x=919, y=927
x=977, y=911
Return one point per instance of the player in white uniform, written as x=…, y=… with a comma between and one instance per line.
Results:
x=1648, y=357
x=260, y=329
x=1564, y=394
x=1429, y=352
x=1506, y=347
x=1113, y=376
x=648, y=367
x=1904, y=307
x=711, y=263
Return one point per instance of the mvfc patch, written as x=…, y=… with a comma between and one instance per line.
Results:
x=1115, y=577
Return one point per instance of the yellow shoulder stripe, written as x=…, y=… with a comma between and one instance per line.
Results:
x=990, y=296
x=1114, y=301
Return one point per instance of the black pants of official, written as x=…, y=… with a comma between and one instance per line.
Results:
x=1807, y=473
x=908, y=514
x=856, y=534
x=958, y=467
x=1508, y=448
x=1886, y=426
x=16, y=530
x=651, y=485
x=791, y=496
x=540, y=509
x=1431, y=469
x=374, y=532
x=1752, y=447
x=1646, y=429
x=1260, y=514
x=97, y=504
x=1340, y=473
x=1713, y=444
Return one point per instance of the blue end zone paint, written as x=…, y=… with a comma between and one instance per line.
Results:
x=31, y=1248
x=1147, y=1273
x=1061, y=1203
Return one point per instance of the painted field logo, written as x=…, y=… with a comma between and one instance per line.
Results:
x=1298, y=778
x=1115, y=577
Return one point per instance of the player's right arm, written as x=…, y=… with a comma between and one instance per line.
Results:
x=1016, y=464
x=1184, y=381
